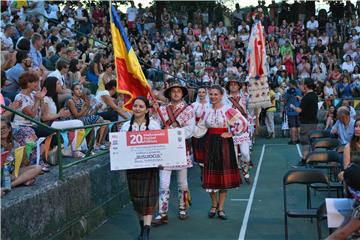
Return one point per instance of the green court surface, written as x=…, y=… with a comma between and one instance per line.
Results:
x=254, y=211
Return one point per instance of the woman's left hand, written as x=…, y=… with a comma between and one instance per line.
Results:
x=226, y=135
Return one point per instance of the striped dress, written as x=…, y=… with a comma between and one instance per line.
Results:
x=143, y=184
x=220, y=164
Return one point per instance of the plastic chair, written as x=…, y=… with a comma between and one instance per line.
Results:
x=304, y=177
x=324, y=143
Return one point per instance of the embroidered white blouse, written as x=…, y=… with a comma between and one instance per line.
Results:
x=199, y=108
x=217, y=118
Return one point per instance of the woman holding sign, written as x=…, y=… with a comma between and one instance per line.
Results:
x=143, y=184
x=221, y=172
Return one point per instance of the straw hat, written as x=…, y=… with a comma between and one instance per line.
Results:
x=175, y=85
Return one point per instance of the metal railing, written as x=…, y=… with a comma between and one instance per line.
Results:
x=58, y=132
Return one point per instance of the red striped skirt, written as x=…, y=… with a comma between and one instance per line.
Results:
x=220, y=165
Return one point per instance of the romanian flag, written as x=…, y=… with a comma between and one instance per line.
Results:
x=131, y=80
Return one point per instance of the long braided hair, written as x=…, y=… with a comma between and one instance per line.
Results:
x=147, y=115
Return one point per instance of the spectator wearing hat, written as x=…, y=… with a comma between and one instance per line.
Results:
x=177, y=114
x=351, y=230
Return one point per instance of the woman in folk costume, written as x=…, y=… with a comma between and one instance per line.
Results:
x=200, y=105
x=143, y=184
x=177, y=114
x=242, y=140
x=221, y=172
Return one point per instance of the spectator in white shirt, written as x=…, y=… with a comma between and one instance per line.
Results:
x=60, y=73
x=348, y=65
x=243, y=25
x=312, y=26
x=221, y=29
x=79, y=10
x=5, y=37
x=131, y=13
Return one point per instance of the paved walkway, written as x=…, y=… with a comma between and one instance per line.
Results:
x=254, y=211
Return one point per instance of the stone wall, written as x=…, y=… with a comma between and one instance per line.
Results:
x=65, y=209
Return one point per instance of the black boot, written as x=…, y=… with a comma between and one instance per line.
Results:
x=141, y=223
x=146, y=232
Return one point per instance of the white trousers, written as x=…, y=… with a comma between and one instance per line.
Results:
x=245, y=151
x=165, y=178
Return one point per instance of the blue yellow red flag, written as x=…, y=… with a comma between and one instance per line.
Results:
x=131, y=80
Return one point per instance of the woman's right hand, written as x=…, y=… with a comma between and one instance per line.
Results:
x=39, y=95
x=341, y=176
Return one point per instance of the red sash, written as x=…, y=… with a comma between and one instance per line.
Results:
x=173, y=115
x=238, y=106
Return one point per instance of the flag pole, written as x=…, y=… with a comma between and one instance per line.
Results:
x=157, y=107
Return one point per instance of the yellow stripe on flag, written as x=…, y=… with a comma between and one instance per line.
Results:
x=79, y=137
x=19, y=155
x=356, y=103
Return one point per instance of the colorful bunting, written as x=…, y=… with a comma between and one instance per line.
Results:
x=64, y=135
x=29, y=146
x=320, y=104
x=80, y=134
x=19, y=155
x=38, y=143
x=337, y=102
x=47, y=145
x=356, y=103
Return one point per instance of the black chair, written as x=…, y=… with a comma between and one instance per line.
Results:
x=316, y=134
x=340, y=148
x=304, y=177
x=324, y=143
x=328, y=160
x=324, y=159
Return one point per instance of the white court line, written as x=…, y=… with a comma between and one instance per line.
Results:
x=239, y=199
x=299, y=151
x=251, y=198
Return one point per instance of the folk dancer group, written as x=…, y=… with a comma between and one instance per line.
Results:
x=217, y=139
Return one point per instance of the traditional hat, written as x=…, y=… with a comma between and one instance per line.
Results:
x=175, y=84
x=232, y=78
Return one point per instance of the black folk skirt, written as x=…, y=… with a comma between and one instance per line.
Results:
x=198, y=145
x=143, y=187
x=220, y=166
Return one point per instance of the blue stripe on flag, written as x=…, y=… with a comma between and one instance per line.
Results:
x=116, y=20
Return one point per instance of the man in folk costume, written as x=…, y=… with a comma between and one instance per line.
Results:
x=177, y=114
x=242, y=141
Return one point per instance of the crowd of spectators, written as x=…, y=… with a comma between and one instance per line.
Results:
x=57, y=61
